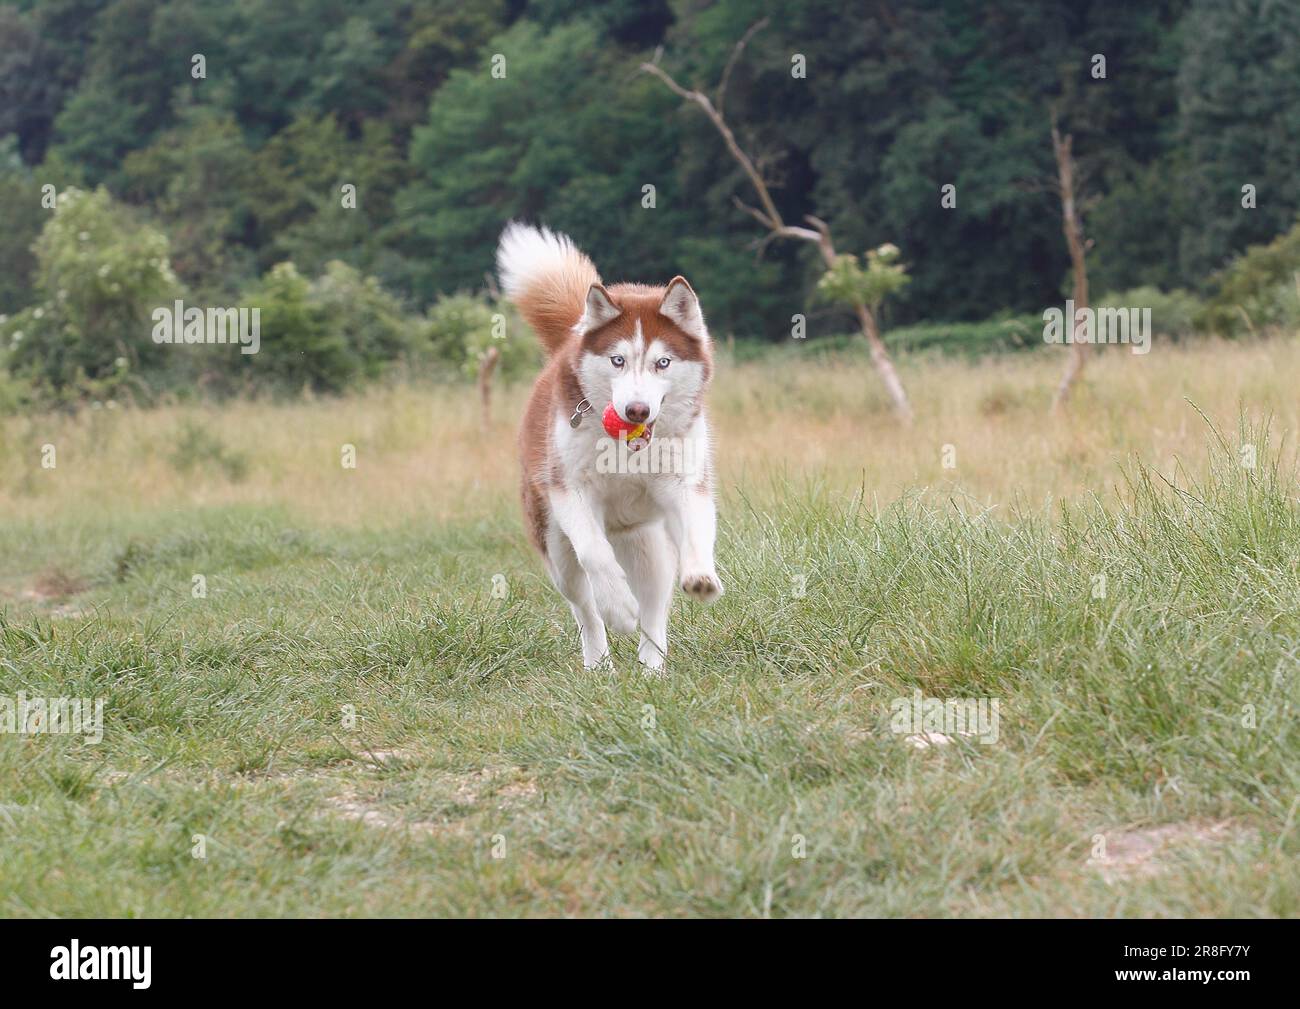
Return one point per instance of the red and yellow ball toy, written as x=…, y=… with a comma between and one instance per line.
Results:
x=616, y=425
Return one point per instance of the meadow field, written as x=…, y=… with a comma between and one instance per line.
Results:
x=334, y=690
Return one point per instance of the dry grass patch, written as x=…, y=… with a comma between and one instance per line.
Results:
x=1149, y=851
x=421, y=453
x=470, y=792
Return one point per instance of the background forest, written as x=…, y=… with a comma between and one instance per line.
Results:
x=223, y=182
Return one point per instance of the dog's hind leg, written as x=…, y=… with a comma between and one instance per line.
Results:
x=567, y=575
x=650, y=561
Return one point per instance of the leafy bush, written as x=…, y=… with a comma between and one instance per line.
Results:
x=968, y=339
x=1020, y=332
x=100, y=274
x=1260, y=288
x=15, y=394
x=1174, y=314
x=847, y=283
x=462, y=327
x=327, y=333
x=371, y=321
x=301, y=348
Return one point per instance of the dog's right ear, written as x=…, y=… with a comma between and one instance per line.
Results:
x=600, y=309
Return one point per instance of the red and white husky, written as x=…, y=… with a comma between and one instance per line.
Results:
x=615, y=538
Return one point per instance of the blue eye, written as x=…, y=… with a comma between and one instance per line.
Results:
x=663, y=363
x=616, y=361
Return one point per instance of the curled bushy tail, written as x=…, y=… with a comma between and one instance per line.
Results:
x=546, y=276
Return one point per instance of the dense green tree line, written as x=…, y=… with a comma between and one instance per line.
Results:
x=243, y=168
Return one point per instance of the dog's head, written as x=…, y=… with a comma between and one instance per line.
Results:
x=647, y=351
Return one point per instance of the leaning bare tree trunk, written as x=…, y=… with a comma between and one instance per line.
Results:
x=485, y=369
x=1073, y=228
x=771, y=219
x=883, y=365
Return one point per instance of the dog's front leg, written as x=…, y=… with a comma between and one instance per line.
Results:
x=585, y=530
x=692, y=522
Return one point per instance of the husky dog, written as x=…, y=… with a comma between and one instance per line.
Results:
x=614, y=539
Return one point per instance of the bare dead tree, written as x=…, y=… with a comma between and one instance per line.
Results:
x=486, y=366
x=1072, y=226
x=488, y=362
x=767, y=215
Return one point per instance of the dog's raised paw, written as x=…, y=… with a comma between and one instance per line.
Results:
x=705, y=587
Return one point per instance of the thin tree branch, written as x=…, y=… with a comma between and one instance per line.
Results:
x=754, y=29
x=702, y=100
x=753, y=212
x=770, y=217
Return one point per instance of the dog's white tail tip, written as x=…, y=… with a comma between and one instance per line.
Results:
x=526, y=254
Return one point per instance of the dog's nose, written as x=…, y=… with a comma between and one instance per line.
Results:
x=637, y=413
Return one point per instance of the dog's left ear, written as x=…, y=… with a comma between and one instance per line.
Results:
x=682, y=306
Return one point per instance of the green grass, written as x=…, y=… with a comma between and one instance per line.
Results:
x=968, y=340
x=609, y=793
